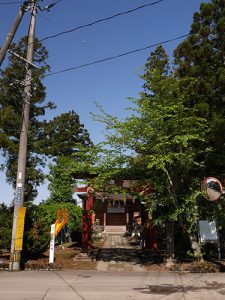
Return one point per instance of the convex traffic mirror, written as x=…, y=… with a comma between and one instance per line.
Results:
x=211, y=188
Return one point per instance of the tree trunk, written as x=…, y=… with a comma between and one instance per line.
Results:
x=196, y=247
x=170, y=244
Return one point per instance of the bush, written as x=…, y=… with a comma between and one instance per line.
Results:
x=38, y=225
x=6, y=218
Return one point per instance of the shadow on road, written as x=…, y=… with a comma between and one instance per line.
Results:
x=167, y=289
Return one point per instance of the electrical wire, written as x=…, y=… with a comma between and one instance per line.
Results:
x=100, y=20
x=23, y=121
x=29, y=84
x=48, y=6
x=21, y=2
x=97, y=21
x=14, y=2
x=56, y=2
x=116, y=56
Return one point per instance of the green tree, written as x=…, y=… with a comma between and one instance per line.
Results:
x=65, y=139
x=65, y=171
x=11, y=107
x=165, y=139
x=200, y=60
x=64, y=135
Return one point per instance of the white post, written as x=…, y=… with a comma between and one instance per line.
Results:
x=52, y=245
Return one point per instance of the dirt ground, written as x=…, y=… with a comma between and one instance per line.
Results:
x=69, y=256
x=64, y=259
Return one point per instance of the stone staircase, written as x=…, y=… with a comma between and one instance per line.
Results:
x=117, y=254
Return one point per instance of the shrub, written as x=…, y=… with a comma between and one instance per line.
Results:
x=38, y=225
x=6, y=218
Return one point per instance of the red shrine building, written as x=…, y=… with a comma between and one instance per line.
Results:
x=114, y=212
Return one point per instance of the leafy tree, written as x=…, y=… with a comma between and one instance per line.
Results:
x=165, y=139
x=200, y=60
x=11, y=103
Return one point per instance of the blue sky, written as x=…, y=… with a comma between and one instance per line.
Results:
x=109, y=83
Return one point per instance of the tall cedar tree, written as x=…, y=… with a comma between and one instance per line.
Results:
x=201, y=57
x=11, y=101
x=67, y=132
x=53, y=138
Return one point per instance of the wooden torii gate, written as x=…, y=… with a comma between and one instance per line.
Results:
x=87, y=222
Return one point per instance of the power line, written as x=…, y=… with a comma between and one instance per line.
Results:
x=25, y=3
x=14, y=2
x=100, y=20
x=94, y=22
x=20, y=2
x=47, y=8
x=116, y=56
x=56, y=2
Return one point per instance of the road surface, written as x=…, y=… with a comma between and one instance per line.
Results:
x=97, y=285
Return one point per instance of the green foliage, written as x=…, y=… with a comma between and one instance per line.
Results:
x=6, y=217
x=65, y=170
x=164, y=140
x=47, y=211
x=201, y=57
x=158, y=60
x=61, y=180
x=38, y=224
x=11, y=96
x=63, y=135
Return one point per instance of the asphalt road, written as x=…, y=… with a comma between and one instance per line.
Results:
x=96, y=285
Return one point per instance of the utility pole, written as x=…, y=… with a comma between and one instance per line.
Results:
x=13, y=30
x=18, y=217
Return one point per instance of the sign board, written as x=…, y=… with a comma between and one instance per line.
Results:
x=52, y=245
x=208, y=231
x=20, y=229
x=115, y=210
x=18, y=195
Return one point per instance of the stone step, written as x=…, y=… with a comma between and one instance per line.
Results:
x=115, y=229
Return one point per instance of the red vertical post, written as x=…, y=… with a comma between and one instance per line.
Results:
x=153, y=242
x=84, y=232
x=89, y=202
x=87, y=224
x=150, y=237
